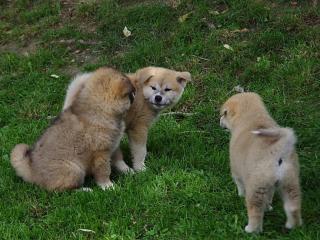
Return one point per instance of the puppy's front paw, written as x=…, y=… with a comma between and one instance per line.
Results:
x=86, y=189
x=122, y=167
x=127, y=170
x=139, y=167
x=106, y=185
x=250, y=229
x=292, y=223
x=289, y=225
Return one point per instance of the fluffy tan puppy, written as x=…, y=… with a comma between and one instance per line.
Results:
x=156, y=89
x=262, y=158
x=82, y=139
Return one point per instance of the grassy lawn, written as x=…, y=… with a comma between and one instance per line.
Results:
x=187, y=191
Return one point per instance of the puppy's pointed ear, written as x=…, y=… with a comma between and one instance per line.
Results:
x=147, y=80
x=144, y=75
x=183, y=78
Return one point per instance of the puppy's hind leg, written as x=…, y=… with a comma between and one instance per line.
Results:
x=68, y=176
x=291, y=196
x=118, y=163
x=101, y=169
x=138, y=145
x=256, y=200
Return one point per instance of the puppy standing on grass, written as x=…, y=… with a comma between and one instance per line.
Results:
x=82, y=139
x=263, y=157
x=156, y=89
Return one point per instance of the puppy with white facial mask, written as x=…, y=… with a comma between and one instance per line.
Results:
x=262, y=159
x=157, y=89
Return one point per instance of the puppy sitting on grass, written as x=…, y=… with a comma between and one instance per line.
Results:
x=263, y=157
x=156, y=89
x=82, y=139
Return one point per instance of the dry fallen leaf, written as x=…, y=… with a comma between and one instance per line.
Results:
x=86, y=230
x=238, y=89
x=224, y=11
x=214, y=12
x=184, y=17
x=50, y=117
x=54, y=76
x=126, y=32
x=227, y=46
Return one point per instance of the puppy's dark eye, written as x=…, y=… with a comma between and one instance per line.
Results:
x=225, y=113
x=167, y=89
x=153, y=88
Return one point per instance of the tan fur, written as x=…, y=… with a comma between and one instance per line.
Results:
x=144, y=109
x=262, y=157
x=143, y=113
x=82, y=139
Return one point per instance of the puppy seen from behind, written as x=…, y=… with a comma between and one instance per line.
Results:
x=262, y=158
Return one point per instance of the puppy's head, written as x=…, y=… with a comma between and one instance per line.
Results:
x=162, y=87
x=112, y=89
x=238, y=107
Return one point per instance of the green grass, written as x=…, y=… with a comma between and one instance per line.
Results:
x=187, y=191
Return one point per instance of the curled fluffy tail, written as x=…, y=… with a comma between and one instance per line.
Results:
x=20, y=161
x=285, y=138
x=74, y=89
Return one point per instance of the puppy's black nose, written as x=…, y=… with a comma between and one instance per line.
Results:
x=158, y=98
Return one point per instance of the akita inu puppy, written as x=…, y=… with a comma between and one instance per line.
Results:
x=262, y=158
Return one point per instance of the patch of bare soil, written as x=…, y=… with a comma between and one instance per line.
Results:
x=312, y=20
x=25, y=50
x=170, y=3
x=68, y=14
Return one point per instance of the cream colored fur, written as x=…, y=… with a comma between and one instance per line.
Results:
x=262, y=158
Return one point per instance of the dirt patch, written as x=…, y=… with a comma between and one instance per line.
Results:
x=311, y=20
x=71, y=70
x=170, y=3
x=86, y=53
x=69, y=14
x=79, y=58
x=24, y=50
